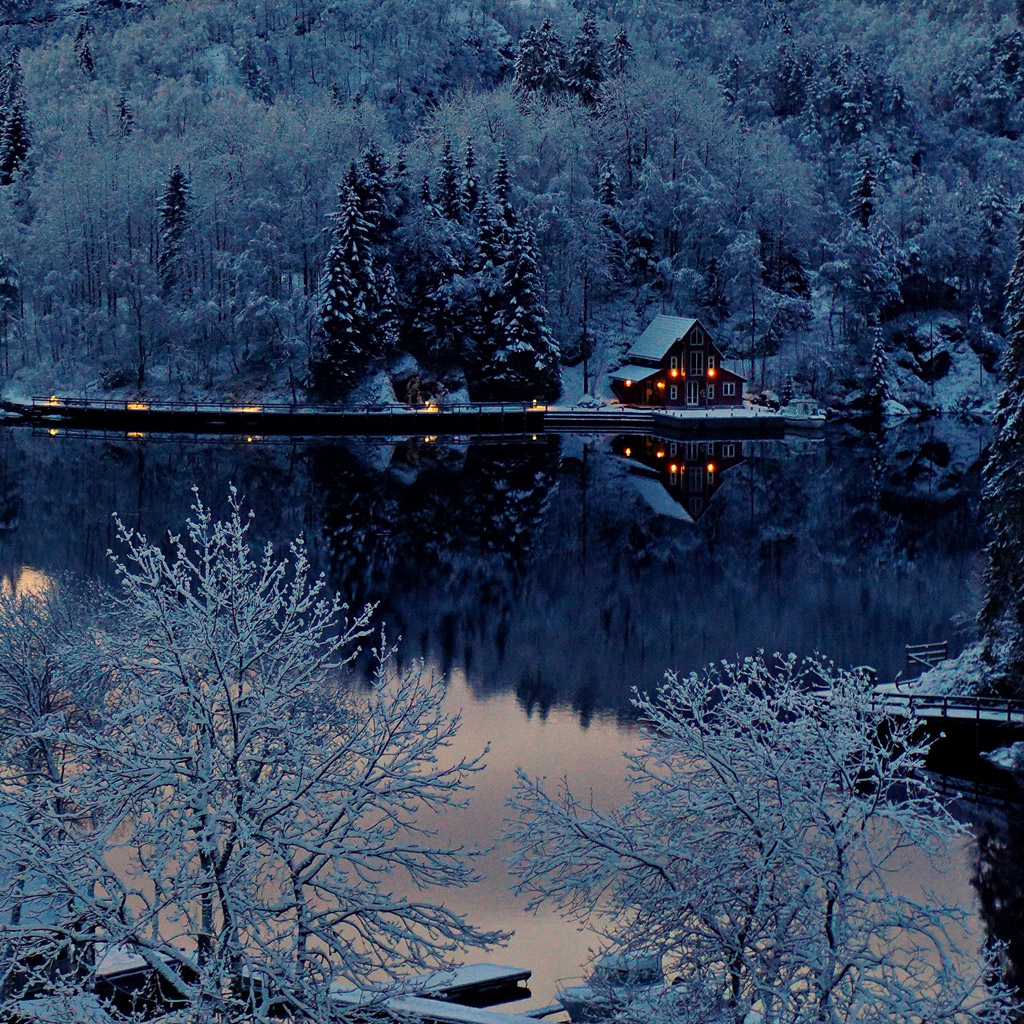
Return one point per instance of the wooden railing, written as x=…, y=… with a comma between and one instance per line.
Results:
x=924, y=656
x=948, y=705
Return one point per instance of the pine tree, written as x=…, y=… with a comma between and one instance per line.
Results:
x=83, y=54
x=125, y=118
x=1002, y=612
x=586, y=64
x=503, y=190
x=623, y=52
x=541, y=62
x=254, y=77
x=608, y=187
x=15, y=135
x=174, y=215
x=524, y=363
x=470, y=194
x=448, y=199
x=15, y=140
x=528, y=75
x=862, y=203
x=348, y=300
x=878, y=391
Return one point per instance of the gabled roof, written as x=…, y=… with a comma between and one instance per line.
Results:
x=633, y=372
x=662, y=332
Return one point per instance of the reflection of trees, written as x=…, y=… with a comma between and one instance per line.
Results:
x=452, y=534
x=999, y=881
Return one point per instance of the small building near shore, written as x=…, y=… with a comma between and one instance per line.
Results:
x=674, y=364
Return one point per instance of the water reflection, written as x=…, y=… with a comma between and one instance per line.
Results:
x=689, y=472
x=538, y=577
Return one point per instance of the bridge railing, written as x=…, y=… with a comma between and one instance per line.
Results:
x=56, y=403
x=946, y=705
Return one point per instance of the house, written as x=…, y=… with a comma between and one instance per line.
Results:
x=675, y=364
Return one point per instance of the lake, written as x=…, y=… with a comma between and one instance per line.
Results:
x=547, y=576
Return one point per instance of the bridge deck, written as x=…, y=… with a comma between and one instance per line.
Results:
x=993, y=710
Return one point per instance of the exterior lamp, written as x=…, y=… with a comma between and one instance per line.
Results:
x=673, y=468
x=628, y=383
x=629, y=451
x=711, y=467
x=660, y=454
x=712, y=371
x=661, y=385
x=675, y=373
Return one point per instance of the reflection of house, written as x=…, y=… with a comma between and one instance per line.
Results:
x=687, y=472
x=675, y=364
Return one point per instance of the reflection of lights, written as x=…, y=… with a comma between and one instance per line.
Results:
x=534, y=403
x=53, y=431
x=629, y=451
x=135, y=434
x=249, y=439
x=136, y=406
x=53, y=400
x=28, y=581
x=430, y=438
x=432, y=407
x=534, y=437
x=711, y=467
x=247, y=408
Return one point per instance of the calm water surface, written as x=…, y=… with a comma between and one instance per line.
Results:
x=547, y=577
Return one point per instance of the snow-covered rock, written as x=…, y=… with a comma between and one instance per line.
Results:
x=891, y=409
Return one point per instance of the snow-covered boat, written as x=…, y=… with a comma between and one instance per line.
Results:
x=615, y=981
x=803, y=414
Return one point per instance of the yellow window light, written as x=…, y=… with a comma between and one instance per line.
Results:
x=629, y=451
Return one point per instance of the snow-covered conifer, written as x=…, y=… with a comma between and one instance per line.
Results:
x=174, y=220
x=448, y=197
x=586, y=63
x=83, y=53
x=878, y=390
x=470, y=189
x=1002, y=612
x=862, y=202
x=623, y=50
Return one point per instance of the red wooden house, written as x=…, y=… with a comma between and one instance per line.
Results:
x=676, y=365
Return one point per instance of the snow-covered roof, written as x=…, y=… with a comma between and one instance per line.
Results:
x=633, y=372
x=662, y=332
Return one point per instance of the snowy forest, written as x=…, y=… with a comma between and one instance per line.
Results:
x=265, y=197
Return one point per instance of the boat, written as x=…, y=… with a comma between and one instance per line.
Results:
x=803, y=414
x=615, y=981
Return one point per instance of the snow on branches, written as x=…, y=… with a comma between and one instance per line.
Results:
x=759, y=856
x=236, y=814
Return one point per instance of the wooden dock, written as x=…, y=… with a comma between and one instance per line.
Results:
x=142, y=416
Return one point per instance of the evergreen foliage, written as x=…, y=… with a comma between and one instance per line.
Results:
x=449, y=198
x=83, y=54
x=348, y=300
x=862, y=204
x=586, y=64
x=15, y=134
x=1002, y=612
x=174, y=222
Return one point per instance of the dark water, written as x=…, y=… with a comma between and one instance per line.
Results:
x=548, y=576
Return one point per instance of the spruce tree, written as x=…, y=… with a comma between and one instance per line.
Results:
x=623, y=52
x=15, y=135
x=448, y=199
x=586, y=64
x=255, y=80
x=470, y=194
x=503, y=191
x=83, y=53
x=524, y=362
x=174, y=215
x=1002, y=612
x=125, y=118
x=862, y=202
x=348, y=300
x=528, y=75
